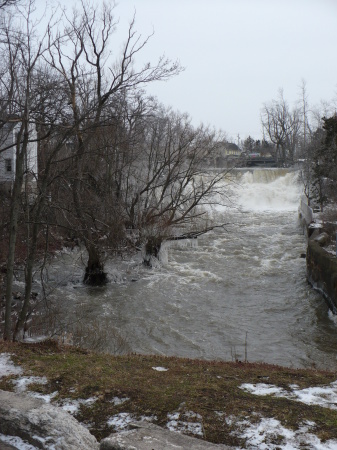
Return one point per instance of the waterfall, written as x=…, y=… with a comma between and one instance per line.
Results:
x=269, y=190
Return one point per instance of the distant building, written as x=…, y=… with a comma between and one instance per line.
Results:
x=230, y=149
x=8, y=140
x=226, y=154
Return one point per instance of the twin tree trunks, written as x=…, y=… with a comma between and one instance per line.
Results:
x=94, y=272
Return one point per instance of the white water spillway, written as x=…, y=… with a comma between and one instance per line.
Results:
x=269, y=190
x=241, y=292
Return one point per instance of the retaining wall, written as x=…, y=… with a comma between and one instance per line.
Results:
x=321, y=265
x=322, y=272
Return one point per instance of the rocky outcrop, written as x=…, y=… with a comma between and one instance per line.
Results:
x=322, y=272
x=146, y=436
x=41, y=424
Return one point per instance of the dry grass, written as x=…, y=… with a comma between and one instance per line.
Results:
x=204, y=387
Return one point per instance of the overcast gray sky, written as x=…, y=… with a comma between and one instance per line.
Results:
x=237, y=54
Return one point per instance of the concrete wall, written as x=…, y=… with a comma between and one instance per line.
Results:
x=322, y=272
x=321, y=265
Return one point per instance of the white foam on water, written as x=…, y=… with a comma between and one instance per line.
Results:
x=261, y=190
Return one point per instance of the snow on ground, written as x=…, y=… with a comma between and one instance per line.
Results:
x=45, y=397
x=269, y=434
x=118, y=401
x=325, y=396
x=120, y=421
x=160, y=369
x=72, y=406
x=176, y=423
x=22, y=383
x=263, y=434
x=7, y=367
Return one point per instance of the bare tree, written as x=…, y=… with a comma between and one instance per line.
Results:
x=164, y=187
x=92, y=82
x=282, y=127
x=6, y=4
x=22, y=51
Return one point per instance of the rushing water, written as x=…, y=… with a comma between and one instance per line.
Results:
x=241, y=292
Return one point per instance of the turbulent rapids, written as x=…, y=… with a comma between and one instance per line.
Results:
x=239, y=293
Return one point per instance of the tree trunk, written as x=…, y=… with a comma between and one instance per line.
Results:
x=152, y=249
x=11, y=261
x=94, y=272
x=20, y=324
x=15, y=204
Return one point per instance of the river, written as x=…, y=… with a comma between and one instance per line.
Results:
x=239, y=294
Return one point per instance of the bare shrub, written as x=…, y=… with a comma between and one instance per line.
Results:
x=329, y=218
x=99, y=335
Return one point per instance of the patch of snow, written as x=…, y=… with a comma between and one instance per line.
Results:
x=22, y=383
x=160, y=369
x=180, y=426
x=88, y=401
x=148, y=418
x=118, y=401
x=34, y=339
x=120, y=421
x=191, y=414
x=7, y=367
x=228, y=419
x=269, y=434
x=262, y=389
x=41, y=439
x=325, y=396
x=173, y=416
x=316, y=225
x=16, y=442
x=332, y=317
x=331, y=249
x=72, y=406
x=45, y=397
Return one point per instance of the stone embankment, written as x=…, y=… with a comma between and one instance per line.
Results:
x=321, y=265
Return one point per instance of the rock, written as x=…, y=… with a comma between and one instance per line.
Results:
x=322, y=238
x=5, y=446
x=41, y=424
x=147, y=436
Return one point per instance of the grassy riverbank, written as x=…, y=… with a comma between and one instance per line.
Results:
x=213, y=400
